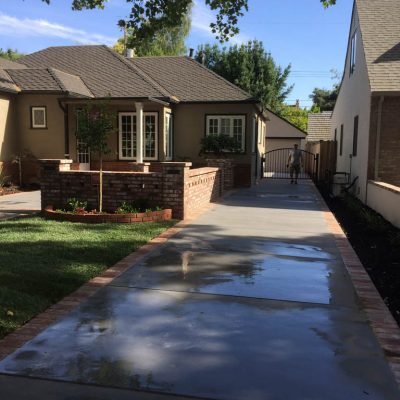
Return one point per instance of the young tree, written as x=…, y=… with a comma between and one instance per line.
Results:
x=147, y=17
x=251, y=68
x=95, y=124
x=10, y=54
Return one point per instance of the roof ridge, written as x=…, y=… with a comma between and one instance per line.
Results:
x=285, y=120
x=17, y=88
x=139, y=71
x=75, y=76
x=220, y=77
x=55, y=77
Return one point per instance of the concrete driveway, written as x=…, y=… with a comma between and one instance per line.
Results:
x=251, y=301
x=19, y=204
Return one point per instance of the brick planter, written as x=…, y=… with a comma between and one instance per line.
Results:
x=152, y=216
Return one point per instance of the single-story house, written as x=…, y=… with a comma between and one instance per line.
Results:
x=280, y=133
x=319, y=127
x=366, y=117
x=177, y=99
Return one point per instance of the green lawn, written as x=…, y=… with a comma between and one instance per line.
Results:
x=42, y=261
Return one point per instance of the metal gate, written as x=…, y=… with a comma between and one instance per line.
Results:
x=275, y=164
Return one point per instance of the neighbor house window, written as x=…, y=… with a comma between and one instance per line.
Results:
x=230, y=125
x=341, y=140
x=355, y=136
x=38, y=117
x=353, y=52
x=335, y=134
x=128, y=139
x=168, y=136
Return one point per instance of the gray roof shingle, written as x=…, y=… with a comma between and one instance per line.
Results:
x=6, y=83
x=380, y=31
x=105, y=73
x=8, y=64
x=97, y=71
x=71, y=83
x=190, y=81
x=34, y=80
x=319, y=126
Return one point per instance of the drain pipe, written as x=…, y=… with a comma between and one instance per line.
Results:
x=378, y=138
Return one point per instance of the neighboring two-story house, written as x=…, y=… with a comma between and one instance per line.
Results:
x=366, y=118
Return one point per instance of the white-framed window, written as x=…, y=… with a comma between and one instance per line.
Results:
x=127, y=135
x=39, y=117
x=230, y=125
x=168, y=136
x=353, y=52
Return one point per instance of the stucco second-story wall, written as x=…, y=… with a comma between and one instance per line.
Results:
x=8, y=133
x=45, y=142
x=354, y=100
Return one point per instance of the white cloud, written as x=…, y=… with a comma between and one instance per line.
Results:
x=201, y=19
x=27, y=27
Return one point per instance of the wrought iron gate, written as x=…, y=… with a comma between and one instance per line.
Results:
x=275, y=164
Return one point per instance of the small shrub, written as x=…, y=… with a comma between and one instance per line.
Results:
x=219, y=145
x=127, y=208
x=136, y=206
x=75, y=205
x=4, y=181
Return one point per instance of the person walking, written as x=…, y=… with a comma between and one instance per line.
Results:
x=294, y=163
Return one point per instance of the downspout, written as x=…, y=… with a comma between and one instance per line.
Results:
x=378, y=138
x=66, y=128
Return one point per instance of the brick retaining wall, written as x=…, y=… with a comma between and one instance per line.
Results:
x=176, y=186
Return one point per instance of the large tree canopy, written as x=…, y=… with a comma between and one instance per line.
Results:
x=251, y=68
x=325, y=99
x=147, y=17
x=166, y=42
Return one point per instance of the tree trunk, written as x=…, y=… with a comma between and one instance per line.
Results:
x=101, y=185
x=20, y=171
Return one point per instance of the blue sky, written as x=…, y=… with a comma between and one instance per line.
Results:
x=297, y=32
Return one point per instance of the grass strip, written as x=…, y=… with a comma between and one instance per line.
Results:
x=42, y=261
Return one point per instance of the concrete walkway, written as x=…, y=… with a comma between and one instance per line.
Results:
x=250, y=301
x=19, y=204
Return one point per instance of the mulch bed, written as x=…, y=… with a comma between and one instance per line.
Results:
x=377, y=244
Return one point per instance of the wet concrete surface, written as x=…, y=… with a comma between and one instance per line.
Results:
x=19, y=204
x=246, y=302
x=251, y=274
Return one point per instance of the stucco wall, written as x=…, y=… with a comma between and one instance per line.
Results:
x=385, y=200
x=190, y=128
x=279, y=128
x=8, y=133
x=113, y=143
x=273, y=144
x=43, y=143
x=354, y=99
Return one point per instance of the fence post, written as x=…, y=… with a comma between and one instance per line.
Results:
x=316, y=168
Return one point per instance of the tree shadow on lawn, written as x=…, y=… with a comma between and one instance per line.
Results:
x=35, y=273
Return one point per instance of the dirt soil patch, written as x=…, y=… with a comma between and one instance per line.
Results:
x=377, y=244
